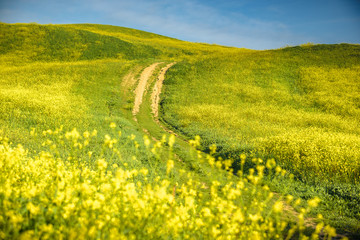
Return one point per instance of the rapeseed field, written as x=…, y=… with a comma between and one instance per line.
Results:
x=84, y=195
x=299, y=105
x=272, y=100
x=255, y=132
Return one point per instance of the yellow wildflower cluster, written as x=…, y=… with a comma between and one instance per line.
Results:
x=315, y=153
x=43, y=196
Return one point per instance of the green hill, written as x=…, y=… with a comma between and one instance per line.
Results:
x=67, y=94
x=61, y=43
x=268, y=100
x=299, y=105
x=34, y=42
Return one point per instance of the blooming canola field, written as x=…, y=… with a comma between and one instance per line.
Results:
x=45, y=196
x=245, y=144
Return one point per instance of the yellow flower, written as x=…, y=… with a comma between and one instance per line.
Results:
x=34, y=210
x=146, y=141
x=106, y=188
x=239, y=216
x=215, y=231
x=330, y=231
x=278, y=207
x=86, y=134
x=189, y=201
x=255, y=217
x=270, y=164
x=255, y=236
x=169, y=166
x=212, y=149
x=206, y=212
x=32, y=133
x=96, y=204
x=144, y=171
x=243, y=158
x=29, y=234
x=101, y=164
x=74, y=134
x=171, y=140
x=314, y=202
x=112, y=125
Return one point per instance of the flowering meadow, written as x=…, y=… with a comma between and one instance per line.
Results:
x=49, y=195
x=245, y=144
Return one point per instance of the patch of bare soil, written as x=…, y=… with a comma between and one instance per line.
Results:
x=140, y=89
x=155, y=96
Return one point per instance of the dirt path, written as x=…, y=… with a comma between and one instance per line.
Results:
x=155, y=95
x=140, y=89
x=155, y=98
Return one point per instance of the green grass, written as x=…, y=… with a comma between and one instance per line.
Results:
x=71, y=76
x=59, y=43
x=299, y=105
x=248, y=98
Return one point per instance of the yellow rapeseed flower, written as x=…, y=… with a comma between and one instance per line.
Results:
x=169, y=166
x=86, y=134
x=278, y=207
x=34, y=210
x=314, y=202
x=171, y=140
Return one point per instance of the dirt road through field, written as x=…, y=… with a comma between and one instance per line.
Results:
x=155, y=95
x=139, y=91
x=155, y=104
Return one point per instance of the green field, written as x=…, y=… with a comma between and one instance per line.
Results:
x=299, y=105
x=77, y=163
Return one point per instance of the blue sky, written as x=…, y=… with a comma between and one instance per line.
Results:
x=255, y=24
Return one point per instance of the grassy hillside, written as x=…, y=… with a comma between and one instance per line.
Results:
x=57, y=43
x=71, y=75
x=270, y=99
x=67, y=93
x=299, y=105
x=54, y=76
x=34, y=42
x=170, y=47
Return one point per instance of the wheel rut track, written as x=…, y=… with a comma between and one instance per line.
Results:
x=141, y=87
x=155, y=95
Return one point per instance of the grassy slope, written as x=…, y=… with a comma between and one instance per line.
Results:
x=299, y=105
x=272, y=92
x=70, y=75
x=58, y=75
